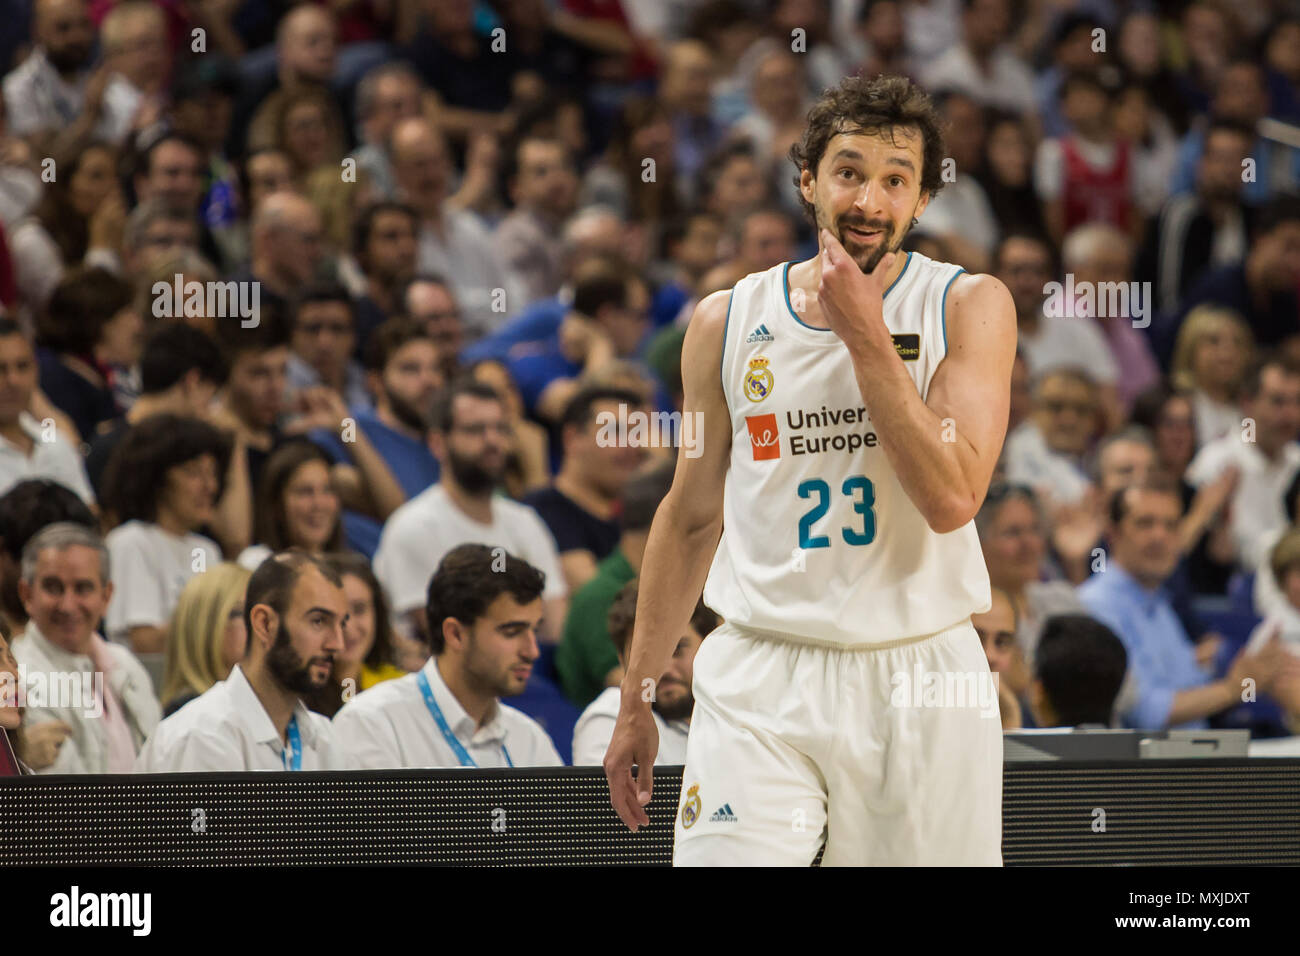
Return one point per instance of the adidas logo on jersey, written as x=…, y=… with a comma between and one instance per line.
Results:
x=723, y=815
x=761, y=334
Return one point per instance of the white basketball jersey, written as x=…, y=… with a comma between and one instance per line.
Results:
x=820, y=542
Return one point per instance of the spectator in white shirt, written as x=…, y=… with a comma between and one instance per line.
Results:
x=255, y=719
x=31, y=448
x=1047, y=450
x=469, y=437
x=671, y=701
x=99, y=690
x=485, y=606
x=1211, y=355
x=1264, y=451
x=981, y=64
x=161, y=485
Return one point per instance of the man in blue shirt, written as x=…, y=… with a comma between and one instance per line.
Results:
x=402, y=370
x=1130, y=597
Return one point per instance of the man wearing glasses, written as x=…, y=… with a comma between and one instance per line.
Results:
x=470, y=436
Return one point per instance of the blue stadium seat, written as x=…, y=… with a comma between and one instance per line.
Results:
x=1241, y=591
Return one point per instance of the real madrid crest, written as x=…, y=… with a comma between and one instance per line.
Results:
x=758, y=380
x=691, y=808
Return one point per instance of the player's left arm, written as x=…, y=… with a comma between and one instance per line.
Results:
x=943, y=449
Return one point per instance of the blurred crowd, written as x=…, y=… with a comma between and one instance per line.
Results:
x=311, y=315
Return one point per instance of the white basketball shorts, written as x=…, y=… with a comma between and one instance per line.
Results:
x=891, y=755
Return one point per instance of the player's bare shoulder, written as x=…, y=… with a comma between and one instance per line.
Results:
x=707, y=330
x=979, y=309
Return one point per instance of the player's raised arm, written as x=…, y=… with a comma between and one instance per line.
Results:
x=944, y=448
x=683, y=538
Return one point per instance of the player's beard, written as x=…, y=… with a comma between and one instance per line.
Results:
x=867, y=258
x=290, y=670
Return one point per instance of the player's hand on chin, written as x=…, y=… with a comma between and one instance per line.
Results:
x=853, y=300
x=635, y=742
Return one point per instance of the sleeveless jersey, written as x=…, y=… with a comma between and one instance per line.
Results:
x=820, y=543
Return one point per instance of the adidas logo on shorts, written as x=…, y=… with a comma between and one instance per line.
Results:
x=723, y=815
x=761, y=334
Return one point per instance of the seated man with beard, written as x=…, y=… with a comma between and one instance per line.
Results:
x=403, y=373
x=255, y=719
x=672, y=703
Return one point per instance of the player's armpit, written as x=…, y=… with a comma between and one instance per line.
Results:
x=971, y=389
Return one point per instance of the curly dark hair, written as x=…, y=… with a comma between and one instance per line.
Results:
x=470, y=578
x=137, y=469
x=862, y=105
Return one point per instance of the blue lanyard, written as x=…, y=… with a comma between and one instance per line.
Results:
x=456, y=746
x=294, y=748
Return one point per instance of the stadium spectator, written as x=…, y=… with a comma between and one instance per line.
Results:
x=469, y=437
x=286, y=241
x=305, y=125
x=981, y=63
x=180, y=372
x=65, y=588
x=543, y=187
x=1202, y=230
x=322, y=336
x=429, y=299
x=383, y=245
x=671, y=704
x=732, y=183
x=57, y=90
x=208, y=636
x=996, y=628
x=78, y=221
x=253, y=400
x=387, y=94
x=453, y=242
x=961, y=213
x=642, y=131
x=607, y=320
x=1047, y=451
x=154, y=232
x=1212, y=356
x=528, y=464
x=1261, y=287
x=89, y=342
x=30, y=448
x=1007, y=176
x=255, y=719
x=581, y=504
x=485, y=607
x=1265, y=453
x=162, y=484
x=1172, y=689
x=586, y=661
x=1078, y=673
x=25, y=509
x=1099, y=257
x=297, y=506
x=404, y=374
x=12, y=742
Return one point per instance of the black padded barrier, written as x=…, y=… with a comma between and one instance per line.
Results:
x=1234, y=812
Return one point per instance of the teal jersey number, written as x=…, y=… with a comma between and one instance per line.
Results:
x=861, y=505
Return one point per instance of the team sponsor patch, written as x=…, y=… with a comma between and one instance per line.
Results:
x=907, y=346
x=763, y=437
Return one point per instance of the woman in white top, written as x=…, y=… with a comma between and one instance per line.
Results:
x=297, y=505
x=161, y=486
x=79, y=220
x=1213, y=351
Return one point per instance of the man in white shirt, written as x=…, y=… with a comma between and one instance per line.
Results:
x=70, y=674
x=485, y=605
x=469, y=437
x=28, y=448
x=1047, y=450
x=981, y=64
x=1267, y=457
x=672, y=701
x=452, y=242
x=255, y=719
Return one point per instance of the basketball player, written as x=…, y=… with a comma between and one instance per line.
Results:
x=853, y=408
